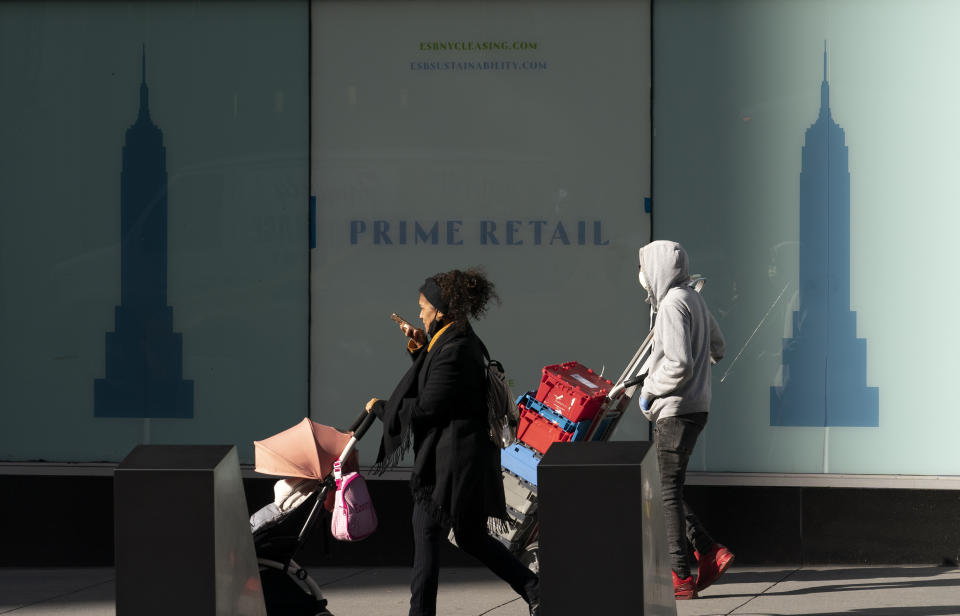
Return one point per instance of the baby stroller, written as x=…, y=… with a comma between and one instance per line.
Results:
x=305, y=454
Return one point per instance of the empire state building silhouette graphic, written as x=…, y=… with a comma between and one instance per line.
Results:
x=144, y=358
x=824, y=363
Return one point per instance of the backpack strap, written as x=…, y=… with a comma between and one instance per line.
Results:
x=483, y=348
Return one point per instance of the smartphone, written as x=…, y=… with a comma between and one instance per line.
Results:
x=399, y=320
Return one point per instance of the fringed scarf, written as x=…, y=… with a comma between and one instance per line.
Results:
x=397, y=432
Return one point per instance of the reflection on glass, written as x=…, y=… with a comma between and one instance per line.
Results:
x=144, y=376
x=824, y=363
x=221, y=137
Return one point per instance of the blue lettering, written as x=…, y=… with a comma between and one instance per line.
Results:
x=511, y=231
x=380, y=229
x=428, y=237
x=356, y=228
x=487, y=230
x=403, y=232
x=537, y=230
x=453, y=228
x=560, y=233
x=598, y=235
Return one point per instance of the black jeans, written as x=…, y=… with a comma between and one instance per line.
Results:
x=674, y=438
x=473, y=539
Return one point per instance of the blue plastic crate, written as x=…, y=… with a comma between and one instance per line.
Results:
x=579, y=428
x=521, y=461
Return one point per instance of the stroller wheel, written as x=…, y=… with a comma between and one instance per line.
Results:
x=323, y=609
x=530, y=557
x=290, y=593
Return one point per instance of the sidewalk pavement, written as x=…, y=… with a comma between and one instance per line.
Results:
x=467, y=591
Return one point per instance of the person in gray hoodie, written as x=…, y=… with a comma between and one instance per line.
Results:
x=675, y=397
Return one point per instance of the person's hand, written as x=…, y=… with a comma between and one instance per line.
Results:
x=414, y=333
x=644, y=403
x=371, y=403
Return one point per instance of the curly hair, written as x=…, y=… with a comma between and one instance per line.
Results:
x=467, y=292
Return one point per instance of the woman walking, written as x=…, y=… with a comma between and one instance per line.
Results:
x=440, y=407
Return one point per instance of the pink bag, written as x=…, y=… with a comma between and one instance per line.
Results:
x=353, y=515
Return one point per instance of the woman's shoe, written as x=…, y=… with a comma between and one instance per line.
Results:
x=533, y=597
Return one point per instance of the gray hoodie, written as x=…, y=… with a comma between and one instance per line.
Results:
x=685, y=335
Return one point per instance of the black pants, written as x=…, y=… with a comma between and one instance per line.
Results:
x=473, y=539
x=674, y=438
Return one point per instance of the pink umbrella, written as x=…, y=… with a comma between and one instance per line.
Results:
x=306, y=450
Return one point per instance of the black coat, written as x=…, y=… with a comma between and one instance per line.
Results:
x=441, y=403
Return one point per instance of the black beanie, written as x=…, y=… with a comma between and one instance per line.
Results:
x=431, y=290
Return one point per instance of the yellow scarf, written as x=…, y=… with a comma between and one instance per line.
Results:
x=436, y=336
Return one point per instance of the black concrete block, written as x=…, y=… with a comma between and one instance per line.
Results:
x=182, y=534
x=603, y=547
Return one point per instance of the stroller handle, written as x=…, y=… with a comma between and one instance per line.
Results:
x=362, y=424
x=359, y=420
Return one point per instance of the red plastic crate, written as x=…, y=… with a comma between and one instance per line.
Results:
x=538, y=432
x=573, y=390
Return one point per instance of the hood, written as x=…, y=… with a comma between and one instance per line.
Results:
x=664, y=264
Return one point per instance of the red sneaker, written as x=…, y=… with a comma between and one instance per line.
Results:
x=713, y=564
x=685, y=588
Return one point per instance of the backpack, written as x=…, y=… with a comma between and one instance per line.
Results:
x=502, y=414
x=353, y=515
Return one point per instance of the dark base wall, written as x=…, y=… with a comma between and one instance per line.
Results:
x=68, y=521
x=766, y=525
